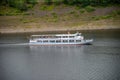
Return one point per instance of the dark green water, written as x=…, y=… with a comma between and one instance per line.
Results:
x=99, y=61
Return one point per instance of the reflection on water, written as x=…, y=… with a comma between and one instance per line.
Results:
x=58, y=49
x=55, y=62
x=73, y=62
x=99, y=61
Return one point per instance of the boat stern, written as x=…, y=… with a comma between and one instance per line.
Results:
x=89, y=41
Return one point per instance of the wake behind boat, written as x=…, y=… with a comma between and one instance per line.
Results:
x=59, y=39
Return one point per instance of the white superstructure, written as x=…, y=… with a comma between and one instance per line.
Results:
x=58, y=39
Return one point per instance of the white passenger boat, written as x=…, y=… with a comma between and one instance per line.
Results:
x=59, y=39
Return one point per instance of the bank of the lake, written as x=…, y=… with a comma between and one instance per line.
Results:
x=54, y=29
x=61, y=18
x=12, y=31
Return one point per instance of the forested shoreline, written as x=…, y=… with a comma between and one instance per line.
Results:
x=26, y=4
x=18, y=16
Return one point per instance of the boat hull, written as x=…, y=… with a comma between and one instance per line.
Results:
x=74, y=43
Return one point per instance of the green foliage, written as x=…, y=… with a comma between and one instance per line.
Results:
x=47, y=7
x=53, y=18
x=9, y=11
x=111, y=15
x=44, y=7
x=23, y=5
x=27, y=20
x=30, y=6
x=115, y=13
x=57, y=2
x=54, y=14
x=106, y=17
x=48, y=2
x=72, y=12
x=82, y=10
x=33, y=2
x=89, y=8
x=102, y=17
x=19, y=4
x=83, y=3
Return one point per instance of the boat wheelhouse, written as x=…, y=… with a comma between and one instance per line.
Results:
x=59, y=39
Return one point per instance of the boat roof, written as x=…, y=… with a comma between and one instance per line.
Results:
x=56, y=35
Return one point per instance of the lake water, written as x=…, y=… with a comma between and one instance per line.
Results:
x=99, y=61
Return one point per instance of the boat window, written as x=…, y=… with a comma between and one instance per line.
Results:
x=71, y=40
x=44, y=36
x=71, y=36
x=52, y=40
x=39, y=41
x=65, y=36
x=59, y=36
x=51, y=37
x=65, y=40
x=78, y=40
x=41, y=36
x=58, y=41
x=56, y=36
x=45, y=41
